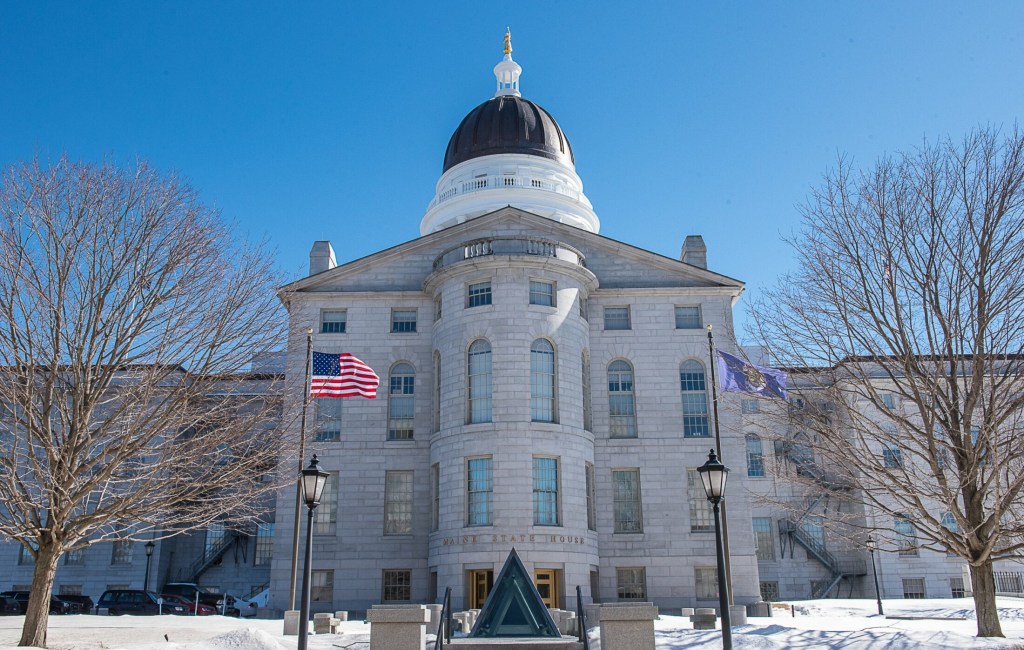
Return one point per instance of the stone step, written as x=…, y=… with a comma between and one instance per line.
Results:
x=510, y=643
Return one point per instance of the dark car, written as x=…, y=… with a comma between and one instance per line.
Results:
x=57, y=606
x=9, y=606
x=84, y=603
x=137, y=601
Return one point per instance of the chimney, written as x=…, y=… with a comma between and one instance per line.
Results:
x=694, y=251
x=321, y=257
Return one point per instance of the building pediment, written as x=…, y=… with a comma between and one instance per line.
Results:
x=406, y=267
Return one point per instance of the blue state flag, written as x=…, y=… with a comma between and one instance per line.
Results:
x=738, y=376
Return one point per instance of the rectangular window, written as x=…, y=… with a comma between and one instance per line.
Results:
x=701, y=519
x=583, y=307
x=401, y=403
x=403, y=320
x=122, y=552
x=889, y=400
x=545, y=491
x=437, y=309
x=542, y=293
x=769, y=591
x=397, y=586
x=906, y=536
x=478, y=295
x=398, y=502
x=327, y=421
x=332, y=321
x=616, y=318
x=892, y=457
x=479, y=491
x=913, y=588
x=214, y=540
x=750, y=405
x=631, y=583
x=588, y=470
x=764, y=541
x=264, y=544
x=325, y=516
x=956, y=588
x=707, y=582
x=25, y=557
x=75, y=557
x=688, y=318
x=626, y=506
x=322, y=586
x=435, y=496
x=70, y=590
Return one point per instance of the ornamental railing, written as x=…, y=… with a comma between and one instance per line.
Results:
x=509, y=246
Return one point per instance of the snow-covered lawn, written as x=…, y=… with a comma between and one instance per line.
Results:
x=819, y=624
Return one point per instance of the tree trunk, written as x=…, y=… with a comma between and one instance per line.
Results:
x=984, y=584
x=38, y=613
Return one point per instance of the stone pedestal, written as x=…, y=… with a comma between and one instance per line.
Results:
x=435, y=616
x=627, y=626
x=291, y=622
x=738, y=615
x=704, y=618
x=341, y=616
x=398, y=627
x=686, y=611
x=760, y=608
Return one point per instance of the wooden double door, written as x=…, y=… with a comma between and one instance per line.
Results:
x=548, y=582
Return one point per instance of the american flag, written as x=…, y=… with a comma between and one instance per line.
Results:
x=342, y=375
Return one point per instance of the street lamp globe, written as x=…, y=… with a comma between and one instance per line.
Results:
x=149, y=548
x=870, y=542
x=314, y=480
x=713, y=475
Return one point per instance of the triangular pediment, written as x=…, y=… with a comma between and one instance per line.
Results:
x=514, y=607
x=406, y=266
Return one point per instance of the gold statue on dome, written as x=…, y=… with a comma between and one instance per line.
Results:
x=508, y=41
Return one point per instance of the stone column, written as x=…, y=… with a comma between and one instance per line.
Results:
x=398, y=627
x=627, y=626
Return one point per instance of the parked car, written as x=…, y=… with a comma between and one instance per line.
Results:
x=203, y=609
x=9, y=606
x=85, y=603
x=57, y=606
x=189, y=590
x=137, y=601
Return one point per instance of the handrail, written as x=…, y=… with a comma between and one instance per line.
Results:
x=581, y=620
x=444, y=626
x=209, y=556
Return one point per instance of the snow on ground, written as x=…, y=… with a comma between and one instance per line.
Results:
x=818, y=624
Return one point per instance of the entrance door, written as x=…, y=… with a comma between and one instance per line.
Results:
x=547, y=585
x=480, y=583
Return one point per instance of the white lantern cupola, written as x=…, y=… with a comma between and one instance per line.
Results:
x=507, y=71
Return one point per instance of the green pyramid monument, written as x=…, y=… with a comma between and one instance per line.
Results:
x=514, y=607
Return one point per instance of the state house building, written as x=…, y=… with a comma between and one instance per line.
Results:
x=542, y=387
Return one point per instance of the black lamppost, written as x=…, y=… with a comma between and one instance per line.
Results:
x=149, y=558
x=314, y=480
x=713, y=475
x=878, y=595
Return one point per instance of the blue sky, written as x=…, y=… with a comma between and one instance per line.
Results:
x=329, y=120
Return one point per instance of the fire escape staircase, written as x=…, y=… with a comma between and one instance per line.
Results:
x=795, y=529
x=211, y=555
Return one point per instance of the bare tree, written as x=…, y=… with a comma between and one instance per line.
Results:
x=911, y=283
x=129, y=314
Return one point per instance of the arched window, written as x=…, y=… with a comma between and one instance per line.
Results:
x=585, y=386
x=401, y=410
x=479, y=370
x=437, y=390
x=695, y=399
x=755, y=456
x=542, y=381
x=621, y=405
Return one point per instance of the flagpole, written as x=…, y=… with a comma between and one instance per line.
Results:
x=718, y=448
x=298, y=474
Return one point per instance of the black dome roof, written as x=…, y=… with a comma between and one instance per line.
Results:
x=508, y=124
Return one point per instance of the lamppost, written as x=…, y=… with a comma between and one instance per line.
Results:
x=878, y=595
x=149, y=558
x=314, y=480
x=713, y=475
